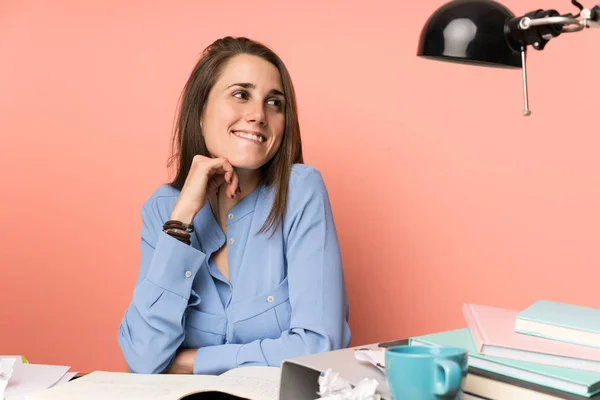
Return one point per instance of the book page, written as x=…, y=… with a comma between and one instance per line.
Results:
x=102, y=385
x=255, y=383
x=246, y=388
x=271, y=374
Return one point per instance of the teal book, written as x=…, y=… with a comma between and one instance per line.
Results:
x=560, y=321
x=578, y=382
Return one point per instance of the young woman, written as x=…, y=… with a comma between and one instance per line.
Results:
x=240, y=263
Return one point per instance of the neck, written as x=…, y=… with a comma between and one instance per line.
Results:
x=248, y=181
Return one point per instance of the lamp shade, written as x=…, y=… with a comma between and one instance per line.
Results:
x=470, y=32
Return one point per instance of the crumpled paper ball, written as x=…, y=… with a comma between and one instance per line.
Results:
x=334, y=387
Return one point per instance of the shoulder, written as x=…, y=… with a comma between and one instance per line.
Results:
x=304, y=177
x=308, y=204
x=306, y=185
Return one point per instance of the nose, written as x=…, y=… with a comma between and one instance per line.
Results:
x=256, y=113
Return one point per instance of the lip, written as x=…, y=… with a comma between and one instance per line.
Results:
x=236, y=133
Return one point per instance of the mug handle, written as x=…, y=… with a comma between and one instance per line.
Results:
x=451, y=379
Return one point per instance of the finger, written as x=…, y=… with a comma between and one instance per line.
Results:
x=221, y=163
x=214, y=165
x=230, y=176
x=234, y=185
x=223, y=166
x=214, y=182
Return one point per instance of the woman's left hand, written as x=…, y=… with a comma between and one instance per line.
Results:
x=183, y=362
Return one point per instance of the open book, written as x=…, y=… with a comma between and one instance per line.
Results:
x=252, y=383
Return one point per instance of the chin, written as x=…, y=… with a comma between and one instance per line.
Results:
x=249, y=163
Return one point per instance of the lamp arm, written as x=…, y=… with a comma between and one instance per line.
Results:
x=586, y=18
x=536, y=28
x=568, y=24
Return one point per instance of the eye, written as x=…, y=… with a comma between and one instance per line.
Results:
x=275, y=103
x=242, y=95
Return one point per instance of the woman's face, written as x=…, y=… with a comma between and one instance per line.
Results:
x=244, y=118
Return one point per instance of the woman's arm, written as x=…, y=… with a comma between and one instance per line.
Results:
x=316, y=289
x=152, y=329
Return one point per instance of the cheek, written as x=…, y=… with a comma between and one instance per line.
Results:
x=276, y=143
x=220, y=114
x=278, y=125
x=216, y=124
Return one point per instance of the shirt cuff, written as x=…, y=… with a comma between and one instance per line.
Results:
x=214, y=360
x=174, y=265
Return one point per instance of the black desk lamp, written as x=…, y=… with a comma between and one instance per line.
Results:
x=486, y=33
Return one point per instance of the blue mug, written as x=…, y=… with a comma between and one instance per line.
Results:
x=425, y=372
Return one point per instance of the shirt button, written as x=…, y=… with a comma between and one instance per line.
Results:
x=270, y=299
x=188, y=274
x=231, y=241
x=230, y=216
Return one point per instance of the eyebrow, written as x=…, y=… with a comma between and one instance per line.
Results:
x=248, y=85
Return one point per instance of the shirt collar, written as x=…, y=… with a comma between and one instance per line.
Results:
x=207, y=229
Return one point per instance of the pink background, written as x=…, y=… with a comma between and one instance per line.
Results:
x=443, y=193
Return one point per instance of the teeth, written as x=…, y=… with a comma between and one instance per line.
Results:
x=250, y=136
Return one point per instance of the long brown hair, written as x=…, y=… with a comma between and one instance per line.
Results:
x=188, y=140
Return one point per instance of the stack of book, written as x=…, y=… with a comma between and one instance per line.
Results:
x=550, y=350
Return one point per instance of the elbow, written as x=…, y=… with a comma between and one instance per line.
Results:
x=141, y=366
x=336, y=333
x=144, y=365
x=142, y=358
x=340, y=339
x=326, y=339
x=345, y=337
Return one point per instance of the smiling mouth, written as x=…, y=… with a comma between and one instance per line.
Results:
x=252, y=136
